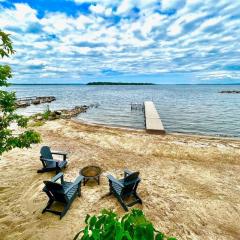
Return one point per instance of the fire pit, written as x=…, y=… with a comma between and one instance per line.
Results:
x=91, y=172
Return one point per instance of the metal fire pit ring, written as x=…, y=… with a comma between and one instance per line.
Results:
x=91, y=172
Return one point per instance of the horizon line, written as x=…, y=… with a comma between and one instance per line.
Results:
x=117, y=84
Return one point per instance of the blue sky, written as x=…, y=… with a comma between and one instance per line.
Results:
x=161, y=41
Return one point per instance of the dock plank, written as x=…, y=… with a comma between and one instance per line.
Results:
x=153, y=121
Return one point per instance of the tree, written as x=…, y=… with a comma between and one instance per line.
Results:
x=9, y=139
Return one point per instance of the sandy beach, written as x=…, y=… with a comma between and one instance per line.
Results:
x=190, y=184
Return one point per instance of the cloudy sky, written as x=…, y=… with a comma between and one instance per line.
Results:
x=162, y=41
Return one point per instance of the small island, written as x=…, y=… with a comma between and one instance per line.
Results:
x=118, y=83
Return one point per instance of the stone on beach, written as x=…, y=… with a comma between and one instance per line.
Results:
x=27, y=101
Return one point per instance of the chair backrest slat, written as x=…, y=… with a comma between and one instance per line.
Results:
x=131, y=178
x=56, y=190
x=46, y=152
x=130, y=183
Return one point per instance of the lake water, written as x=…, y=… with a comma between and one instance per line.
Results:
x=197, y=109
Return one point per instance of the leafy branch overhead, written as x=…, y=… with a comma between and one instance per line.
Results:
x=108, y=226
x=9, y=139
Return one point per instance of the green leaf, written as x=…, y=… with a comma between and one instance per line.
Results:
x=92, y=221
x=86, y=219
x=132, y=226
x=159, y=236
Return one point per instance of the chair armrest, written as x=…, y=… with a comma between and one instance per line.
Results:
x=113, y=179
x=76, y=182
x=64, y=154
x=59, y=153
x=126, y=172
x=48, y=160
x=55, y=178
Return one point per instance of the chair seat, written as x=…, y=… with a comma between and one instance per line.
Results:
x=61, y=164
x=51, y=165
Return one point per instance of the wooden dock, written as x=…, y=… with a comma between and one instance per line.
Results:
x=153, y=122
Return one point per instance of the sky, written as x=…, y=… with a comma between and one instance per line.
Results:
x=159, y=41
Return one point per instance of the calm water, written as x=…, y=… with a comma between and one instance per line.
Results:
x=198, y=109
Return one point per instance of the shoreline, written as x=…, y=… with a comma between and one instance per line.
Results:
x=81, y=121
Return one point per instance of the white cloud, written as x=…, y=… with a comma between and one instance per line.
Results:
x=56, y=23
x=101, y=10
x=20, y=17
x=215, y=75
x=98, y=9
x=150, y=22
x=125, y=7
x=201, y=37
x=175, y=29
x=103, y=2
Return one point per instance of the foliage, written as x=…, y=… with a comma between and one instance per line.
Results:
x=46, y=114
x=108, y=226
x=37, y=123
x=8, y=138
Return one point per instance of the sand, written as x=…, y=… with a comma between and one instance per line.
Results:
x=190, y=184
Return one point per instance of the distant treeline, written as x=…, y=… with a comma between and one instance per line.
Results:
x=118, y=83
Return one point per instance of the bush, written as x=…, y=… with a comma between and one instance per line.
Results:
x=108, y=226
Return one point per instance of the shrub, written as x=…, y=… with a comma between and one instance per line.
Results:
x=108, y=226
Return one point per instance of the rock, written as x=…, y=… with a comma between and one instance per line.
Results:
x=231, y=91
x=22, y=104
x=58, y=112
x=65, y=116
x=47, y=99
x=63, y=113
x=51, y=118
x=27, y=101
x=39, y=117
x=53, y=114
x=35, y=101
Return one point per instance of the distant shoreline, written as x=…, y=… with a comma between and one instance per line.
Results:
x=87, y=84
x=118, y=83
